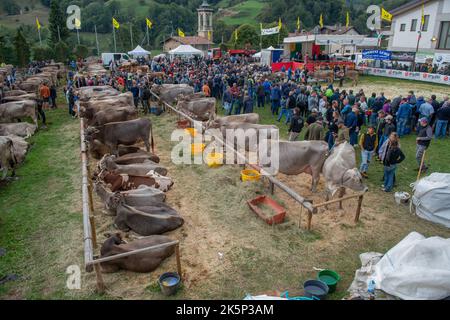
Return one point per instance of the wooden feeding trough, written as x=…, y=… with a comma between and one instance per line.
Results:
x=267, y=209
x=183, y=124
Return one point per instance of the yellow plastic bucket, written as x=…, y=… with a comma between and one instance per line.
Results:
x=197, y=148
x=250, y=175
x=214, y=160
x=191, y=131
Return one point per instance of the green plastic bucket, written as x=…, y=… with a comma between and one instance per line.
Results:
x=330, y=277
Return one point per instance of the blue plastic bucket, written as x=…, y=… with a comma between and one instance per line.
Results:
x=169, y=283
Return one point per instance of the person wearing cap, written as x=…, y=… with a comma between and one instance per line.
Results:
x=315, y=131
x=423, y=140
x=368, y=143
x=343, y=134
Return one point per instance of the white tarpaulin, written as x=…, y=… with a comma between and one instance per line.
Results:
x=324, y=39
x=185, y=50
x=417, y=268
x=432, y=198
x=268, y=32
x=139, y=52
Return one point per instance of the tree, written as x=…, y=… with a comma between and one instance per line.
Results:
x=10, y=7
x=6, y=50
x=61, y=51
x=81, y=51
x=57, y=24
x=22, y=49
x=41, y=53
x=247, y=36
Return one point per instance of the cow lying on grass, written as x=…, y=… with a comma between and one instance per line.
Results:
x=141, y=262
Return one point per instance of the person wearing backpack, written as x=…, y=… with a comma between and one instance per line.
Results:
x=297, y=124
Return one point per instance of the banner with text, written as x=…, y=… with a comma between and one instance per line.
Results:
x=407, y=75
x=376, y=54
x=268, y=32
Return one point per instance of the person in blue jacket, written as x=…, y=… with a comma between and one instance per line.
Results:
x=275, y=97
x=351, y=122
x=403, y=116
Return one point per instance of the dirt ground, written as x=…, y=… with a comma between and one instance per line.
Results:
x=227, y=251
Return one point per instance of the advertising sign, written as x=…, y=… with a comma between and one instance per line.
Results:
x=402, y=56
x=408, y=75
x=376, y=54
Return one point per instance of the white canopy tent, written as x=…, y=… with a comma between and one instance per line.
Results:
x=185, y=51
x=139, y=52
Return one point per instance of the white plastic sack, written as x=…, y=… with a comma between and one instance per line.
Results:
x=417, y=268
x=432, y=198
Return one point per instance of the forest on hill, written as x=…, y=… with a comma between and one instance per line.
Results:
x=168, y=16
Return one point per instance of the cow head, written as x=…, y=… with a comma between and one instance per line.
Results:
x=352, y=179
x=213, y=124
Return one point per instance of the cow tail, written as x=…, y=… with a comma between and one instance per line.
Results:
x=13, y=154
x=152, y=140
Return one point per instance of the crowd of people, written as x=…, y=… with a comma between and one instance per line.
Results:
x=323, y=113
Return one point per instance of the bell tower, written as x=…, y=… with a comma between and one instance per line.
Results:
x=205, y=20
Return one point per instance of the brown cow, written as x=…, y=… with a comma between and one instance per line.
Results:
x=352, y=75
x=125, y=133
x=327, y=75
x=18, y=110
x=142, y=262
x=124, y=182
x=149, y=220
x=21, y=129
x=140, y=197
x=114, y=115
x=200, y=109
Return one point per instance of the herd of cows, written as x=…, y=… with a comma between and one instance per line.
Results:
x=131, y=182
x=19, y=105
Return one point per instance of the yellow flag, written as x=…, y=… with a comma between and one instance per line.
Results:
x=280, y=24
x=77, y=23
x=298, y=23
x=115, y=23
x=149, y=23
x=38, y=24
x=209, y=35
x=422, y=20
x=385, y=15
x=181, y=33
x=321, y=21
x=347, y=22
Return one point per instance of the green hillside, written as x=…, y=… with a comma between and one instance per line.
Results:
x=244, y=12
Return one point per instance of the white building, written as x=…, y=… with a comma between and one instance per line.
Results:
x=435, y=34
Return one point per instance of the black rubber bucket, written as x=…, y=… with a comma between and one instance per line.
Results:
x=169, y=283
x=316, y=288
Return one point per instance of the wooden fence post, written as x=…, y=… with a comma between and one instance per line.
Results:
x=358, y=209
x=100, y=284
x=177, y=253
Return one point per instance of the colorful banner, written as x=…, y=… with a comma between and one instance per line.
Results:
x=440, y=58
x=377, y=54
x=402, y=56
x=268, y=32
x=407, y=75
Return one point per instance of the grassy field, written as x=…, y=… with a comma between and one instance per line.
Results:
x=41, y=224
x=243, y=13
